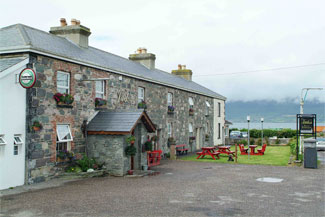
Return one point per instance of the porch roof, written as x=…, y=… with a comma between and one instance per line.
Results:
x=119, y=122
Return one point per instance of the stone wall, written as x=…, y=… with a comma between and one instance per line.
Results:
x=121, y=94
x=108, y=149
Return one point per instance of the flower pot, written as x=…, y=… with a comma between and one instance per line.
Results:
x=36, y=128
x=130, y=172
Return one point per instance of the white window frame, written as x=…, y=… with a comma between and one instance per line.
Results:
x=100, y=93
x=169, y=130
x=2, y=140
x=16, y=150
x=141, y=94
x=170, y=99
x=190, y=129
x=60, y=86
x=207, y=108
x=191, y=102
x=18, y=140
x=60, y=140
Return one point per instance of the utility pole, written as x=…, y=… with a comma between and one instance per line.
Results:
x=302, y=102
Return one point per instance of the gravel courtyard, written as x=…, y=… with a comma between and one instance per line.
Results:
x=181, y=189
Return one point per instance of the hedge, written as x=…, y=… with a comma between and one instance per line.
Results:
x=284, y=133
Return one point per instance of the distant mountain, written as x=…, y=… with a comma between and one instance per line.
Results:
x=272, y=111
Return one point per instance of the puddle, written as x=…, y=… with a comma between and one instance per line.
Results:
x=269, y=179
x=169, y=173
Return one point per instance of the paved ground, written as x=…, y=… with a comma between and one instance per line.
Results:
x=181, y=189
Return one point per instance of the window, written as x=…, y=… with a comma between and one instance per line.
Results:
x=170, y=99
x=190, y=129
x=219, y=130
x=17, y=141
x=63, y=82
x=2, y=140
x=191, y=102
x=63, y=138
x=219, y=109
x=207, y=108
x=100, y=89
x=63, y=133
x=15, y=149
x=140, y=94
x=207, y=128
x=169, y=129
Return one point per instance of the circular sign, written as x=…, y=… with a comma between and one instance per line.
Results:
x=27, y=78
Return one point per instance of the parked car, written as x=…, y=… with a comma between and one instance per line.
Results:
x=244, y=134
x=235, y=134
x=320, y=144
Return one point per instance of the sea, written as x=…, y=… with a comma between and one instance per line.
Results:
x=265, y=125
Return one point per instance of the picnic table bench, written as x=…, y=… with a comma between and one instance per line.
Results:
x=208, y=151
x=225, y=150
x=181, y=149
x=154, y=158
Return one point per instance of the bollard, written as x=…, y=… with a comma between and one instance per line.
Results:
x=173, y=152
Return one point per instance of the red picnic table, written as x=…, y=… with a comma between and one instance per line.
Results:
x=252, y=147
x=225, y=150
x=208, y=151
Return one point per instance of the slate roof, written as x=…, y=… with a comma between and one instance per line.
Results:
x=20, y=38
x=8, y=62
x=116, y=120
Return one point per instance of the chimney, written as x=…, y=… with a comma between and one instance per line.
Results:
x=146, y=59
x=75, y=32
x=181, y=71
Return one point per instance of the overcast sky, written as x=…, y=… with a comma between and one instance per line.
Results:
x=210, y=37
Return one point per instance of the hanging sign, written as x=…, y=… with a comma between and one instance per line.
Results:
x=306, y=123
x=27, y=78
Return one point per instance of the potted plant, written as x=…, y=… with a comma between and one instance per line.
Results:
x=154, y=138
x=171, y=141
x=130, y=139
x=207, y=137
x=191, y=111
x=142, y=105
x=148, y=145
x=170, y=109
x=130, y=151
x=37, y=126
x=99, y=102
x=63, y=100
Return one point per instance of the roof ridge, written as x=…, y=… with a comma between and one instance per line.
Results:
x=24, y=34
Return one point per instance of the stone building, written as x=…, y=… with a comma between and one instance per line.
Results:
x=64, y=63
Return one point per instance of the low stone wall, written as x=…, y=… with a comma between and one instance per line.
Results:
x=281, y=141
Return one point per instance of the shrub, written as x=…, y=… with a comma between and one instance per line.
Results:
x=63, y=98
x=130, y=150
x=86, y=163
x=277, y=141
x=243, y=141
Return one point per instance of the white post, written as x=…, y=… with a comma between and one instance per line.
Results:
x=248, y=119
x=262, y=120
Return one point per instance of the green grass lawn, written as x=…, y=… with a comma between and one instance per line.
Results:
x=274, y=155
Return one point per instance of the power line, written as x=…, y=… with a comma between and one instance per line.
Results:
x=263, y=70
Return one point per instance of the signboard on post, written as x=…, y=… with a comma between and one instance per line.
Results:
x=306, y=125
x=27, y=78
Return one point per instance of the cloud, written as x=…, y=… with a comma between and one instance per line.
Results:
x=210, y=37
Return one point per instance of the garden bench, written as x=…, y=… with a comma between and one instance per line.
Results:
x=180, y=149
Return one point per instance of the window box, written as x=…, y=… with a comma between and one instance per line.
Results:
x=191, y=112
x=63, y=100
x=207, y=137
x=37, y=126
x=100, y=103
x=170, y=109
x=142, y=105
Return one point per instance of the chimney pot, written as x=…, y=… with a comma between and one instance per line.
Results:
x=63, y=22
x=78, y=22
x=73, y=22
x=183, y=66
x=179, y=66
